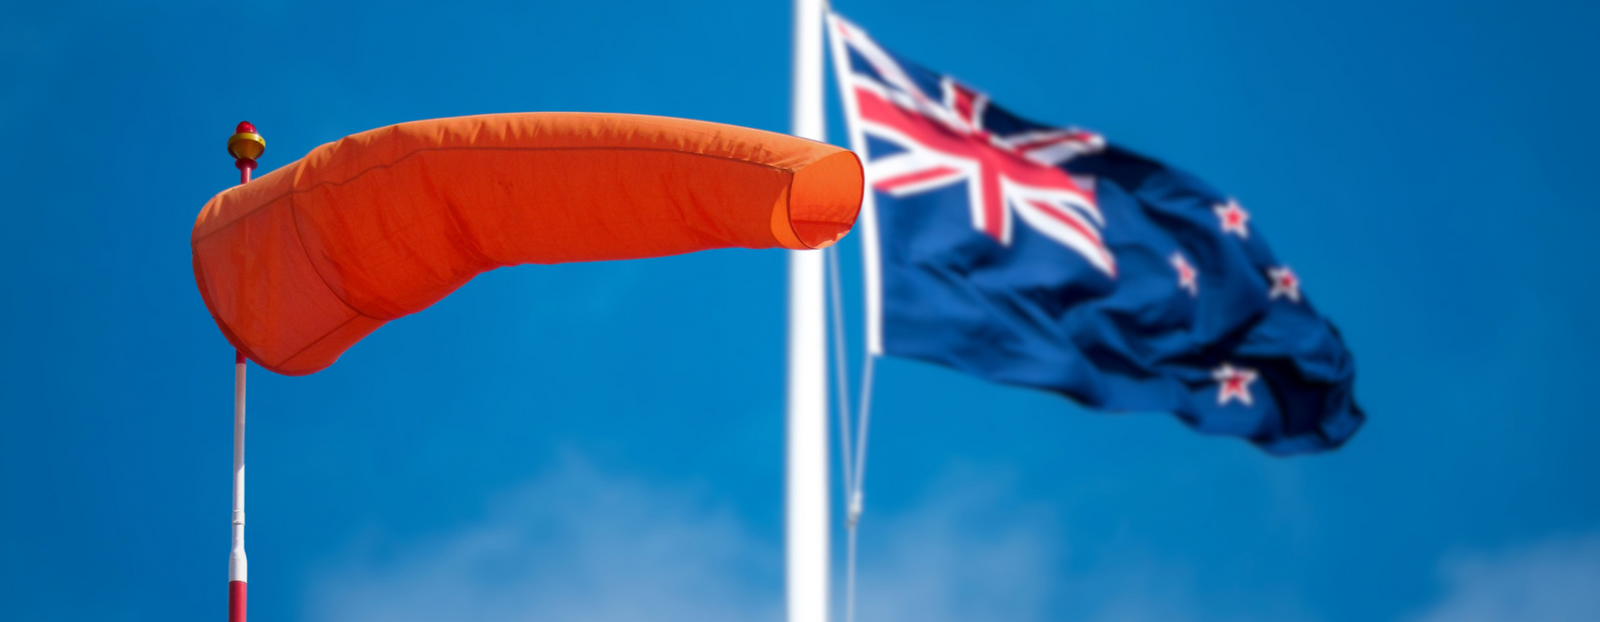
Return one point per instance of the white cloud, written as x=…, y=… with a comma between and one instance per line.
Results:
x=581, y=545
x=970, y=552
x=1555, y=581
x=976, y=551
x=575, y=545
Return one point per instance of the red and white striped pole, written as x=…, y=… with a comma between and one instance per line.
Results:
x=245, y=146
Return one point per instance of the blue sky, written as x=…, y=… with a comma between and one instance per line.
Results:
x=604, y=441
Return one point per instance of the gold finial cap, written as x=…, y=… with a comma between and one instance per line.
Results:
x=245, y=143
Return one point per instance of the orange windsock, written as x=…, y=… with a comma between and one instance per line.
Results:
x=299, y=265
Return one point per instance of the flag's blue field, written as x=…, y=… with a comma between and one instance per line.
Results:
x=604, y=442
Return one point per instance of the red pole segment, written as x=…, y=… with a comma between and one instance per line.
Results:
x=245, y=146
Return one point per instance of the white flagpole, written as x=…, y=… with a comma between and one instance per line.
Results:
x=806, y=501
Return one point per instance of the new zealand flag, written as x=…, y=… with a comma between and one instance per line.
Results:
x=1044, y=257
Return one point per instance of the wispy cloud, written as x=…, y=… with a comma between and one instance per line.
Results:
x=1553, y=581
x=974, y=550
x=970, y=551
x=574, y=545
x=579, y=544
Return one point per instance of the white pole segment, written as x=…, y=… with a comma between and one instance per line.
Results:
x=238, y=569
x=806, y=501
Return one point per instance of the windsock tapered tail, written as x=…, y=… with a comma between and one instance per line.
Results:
x=245, y=146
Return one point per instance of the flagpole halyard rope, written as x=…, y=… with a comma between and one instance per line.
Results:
x=841, y=369
x=852, y=455
x=850, y=574
x=852, y=451
x=863, y=423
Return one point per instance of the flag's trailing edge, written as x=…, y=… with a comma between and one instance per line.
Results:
x=1044, y=257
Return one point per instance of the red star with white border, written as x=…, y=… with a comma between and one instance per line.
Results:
x=1188, y=279
x=1284, y=284
x=1233, y=383
x=1233, y=218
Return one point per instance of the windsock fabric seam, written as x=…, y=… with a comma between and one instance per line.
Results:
x=294, y=214
x=324, y=336
x=294, y=217
x=364, y=171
